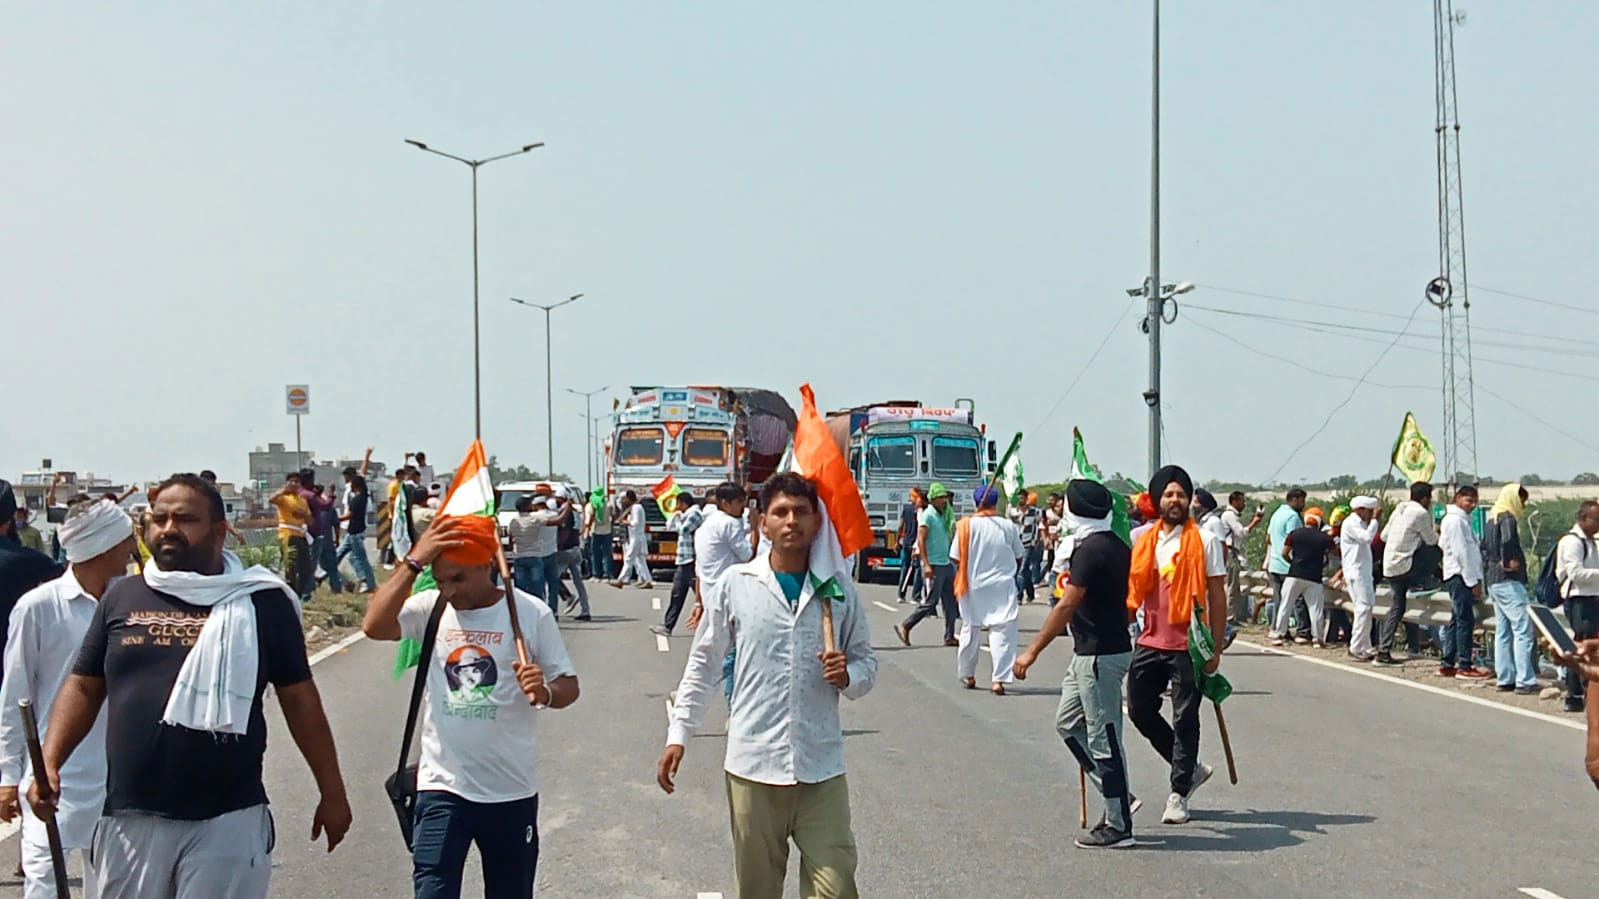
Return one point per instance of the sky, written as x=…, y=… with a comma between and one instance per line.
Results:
x=205, y=203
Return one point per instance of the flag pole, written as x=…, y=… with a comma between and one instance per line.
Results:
x=1226, y=743
x=1082, y=794
x=52, y=830
x=510, y=605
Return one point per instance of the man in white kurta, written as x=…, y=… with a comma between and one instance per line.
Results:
x=1354, y=549
x=986, y=551
x=47, y=628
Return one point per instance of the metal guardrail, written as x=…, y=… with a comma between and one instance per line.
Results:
x=1428, y=609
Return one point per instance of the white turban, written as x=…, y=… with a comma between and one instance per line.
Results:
x=93, y=528
x=1366, y=502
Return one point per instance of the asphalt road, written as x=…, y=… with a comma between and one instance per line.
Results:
x=1349, y=785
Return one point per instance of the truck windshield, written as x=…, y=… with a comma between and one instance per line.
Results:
x=891, y=454
x=955, y=456
x=639, y=446
x=705, y=447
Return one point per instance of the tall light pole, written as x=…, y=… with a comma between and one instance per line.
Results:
x=549, y=390
x=1153, y=318
x=477, y=355
x=1152, y=297
x=588, y=415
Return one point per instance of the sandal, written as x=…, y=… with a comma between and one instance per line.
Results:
x=969, y=682
x=997, y=689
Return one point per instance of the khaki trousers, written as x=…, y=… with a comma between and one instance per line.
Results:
x=815, y=816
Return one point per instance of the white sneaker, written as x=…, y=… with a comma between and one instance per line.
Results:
x=1201, y=775
x=1176, y=810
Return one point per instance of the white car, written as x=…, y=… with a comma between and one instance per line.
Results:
x=507, y=493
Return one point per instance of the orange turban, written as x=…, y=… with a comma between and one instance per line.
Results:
x=1146, y=506
x=482, y=536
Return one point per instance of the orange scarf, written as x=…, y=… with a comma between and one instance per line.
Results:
x=1188, y=580
x=963, y=539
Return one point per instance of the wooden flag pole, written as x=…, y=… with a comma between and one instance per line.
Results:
x=510, y=605
x=1226, y=744
x=1082, y=793
x=829, y=644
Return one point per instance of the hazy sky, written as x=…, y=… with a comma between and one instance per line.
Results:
x=205, y=202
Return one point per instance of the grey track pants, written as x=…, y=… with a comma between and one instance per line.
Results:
x=139, y=856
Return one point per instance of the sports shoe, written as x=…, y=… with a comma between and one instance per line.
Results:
x=1176, y=810
x=1505, y=688
x=1106, y=837
x=1133, y=805
x=1526, y=691
x=1470, y=673
x=1447, y=670
x=656, y=629
x=1386, y=660
x=1202, y=774
x=1573, y=704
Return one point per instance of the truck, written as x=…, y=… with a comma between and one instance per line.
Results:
x=701, y=437
x=896, y=445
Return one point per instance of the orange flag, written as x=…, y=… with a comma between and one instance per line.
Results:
x=818, y=459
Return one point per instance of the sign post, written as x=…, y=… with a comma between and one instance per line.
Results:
x=298, y=399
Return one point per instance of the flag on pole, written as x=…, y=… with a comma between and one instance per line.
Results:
x=1413, y=454
x=1011, y=477
x=845, y=530
x=471, y=498
x=666, y=494
x=1083, y=469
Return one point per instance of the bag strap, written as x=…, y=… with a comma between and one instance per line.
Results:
x=428, y=633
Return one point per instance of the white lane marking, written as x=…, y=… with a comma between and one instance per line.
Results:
x=983, y=648
x=884, y=606
x=1425, y=688
x=1537, y=893
x=338, y=647
x=719, y=896
x=655, y=603
x=660, y=643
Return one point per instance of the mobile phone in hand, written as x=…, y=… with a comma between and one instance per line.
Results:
x=1544, y=619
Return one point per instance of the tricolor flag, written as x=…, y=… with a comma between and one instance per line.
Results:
x=471, y=497
x=845, y=528
x=666, y=494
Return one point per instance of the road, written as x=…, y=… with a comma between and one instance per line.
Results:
x=1349, y=785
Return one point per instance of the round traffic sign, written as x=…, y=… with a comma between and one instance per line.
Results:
x=298, y=397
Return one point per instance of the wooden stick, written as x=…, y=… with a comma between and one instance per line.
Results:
x=1082, y=793
x=829, y=644
x=510, y=604
x=52, y=831
x=1226, y=744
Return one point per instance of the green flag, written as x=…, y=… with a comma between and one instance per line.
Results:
x=1083, y=469
x=1201, y=647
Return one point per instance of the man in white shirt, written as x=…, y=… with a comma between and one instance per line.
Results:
x=477, y=777
x=47, y=629
x=536, y=567
x=1355, y=535
x=1409, y=528
x=987, y=551
x=1237, y=538
x=424, y=471
x=635, y=553
x=724, y=539
x=1463, y=580
x=1577, y=568
x=685, y=521
x=785, y=747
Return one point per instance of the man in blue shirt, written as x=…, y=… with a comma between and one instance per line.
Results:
x=1285, y=521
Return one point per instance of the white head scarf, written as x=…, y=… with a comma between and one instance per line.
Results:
x=94, y=528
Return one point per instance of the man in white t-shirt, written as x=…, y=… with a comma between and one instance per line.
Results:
x=477, y=777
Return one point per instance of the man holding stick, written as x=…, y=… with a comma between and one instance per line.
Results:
x=785, y=746
x=1178, y=574
x=477, y=778
x=47, y=628
x=1095, y=605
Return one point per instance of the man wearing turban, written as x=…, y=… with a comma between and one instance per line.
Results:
x=987, y=551
x=477, y=779
x=1177, y=572
x=47, y=628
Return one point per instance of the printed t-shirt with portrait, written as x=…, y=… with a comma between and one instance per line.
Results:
x=1159, y=632
x=478, y=739
x=137, y=642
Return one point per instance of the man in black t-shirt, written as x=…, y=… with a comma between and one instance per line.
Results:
x=1095, y=603
x=186, y=811
x=1306, y=550
x=21, y=568
x=354, y=542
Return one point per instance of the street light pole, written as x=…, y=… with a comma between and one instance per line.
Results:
x=477, y=353
x=588, y=415
x=1152, y=291
x=549, y=389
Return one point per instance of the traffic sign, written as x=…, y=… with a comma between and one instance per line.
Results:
x=299, y=399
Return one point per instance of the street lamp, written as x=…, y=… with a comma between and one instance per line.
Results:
x=588, y=415
x=549, y=391
x=477, y=360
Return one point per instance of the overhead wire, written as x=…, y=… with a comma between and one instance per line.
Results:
x=1533, y=299
x=1300, y=365
x=1548, y=424
x=1121, y=317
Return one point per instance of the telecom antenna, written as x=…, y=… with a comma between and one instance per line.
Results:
x=1448, y=291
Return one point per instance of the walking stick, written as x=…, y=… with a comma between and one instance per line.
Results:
x=510, y=604
x=58, y=858
x=828, y=643
x=1082, y=794
x=1226, y=744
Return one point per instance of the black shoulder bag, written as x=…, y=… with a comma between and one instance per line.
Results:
x=401, y=785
